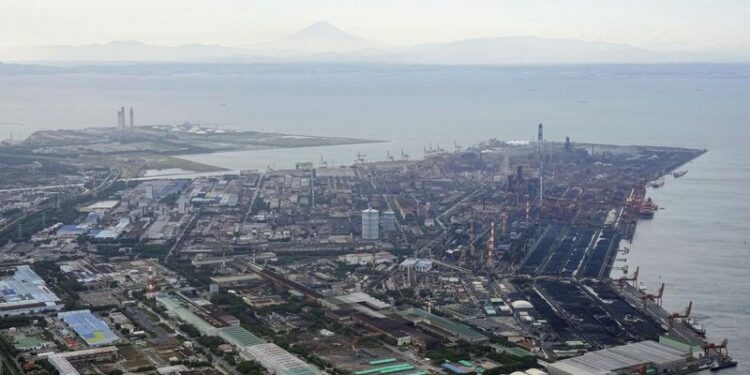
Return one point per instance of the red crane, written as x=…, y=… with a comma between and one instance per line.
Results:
x=720, y=348
x=656, y=298
x=623, y=280
x=671, y=318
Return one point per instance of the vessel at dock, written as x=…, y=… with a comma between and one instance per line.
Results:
x=697, y=328
x=659, y=182
x=722, y=363
x=647, y=209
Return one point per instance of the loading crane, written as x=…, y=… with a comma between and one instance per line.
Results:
x=389, y=156
x=624, y=280
x=721, y=349
x=656, y=298
x=684, y=317
x=360, y=157
x=404, y=155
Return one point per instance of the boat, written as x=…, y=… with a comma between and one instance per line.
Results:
x=647, y=209
x=722, y=363
x=697, y=328
x=678, y=174
x=659, y=182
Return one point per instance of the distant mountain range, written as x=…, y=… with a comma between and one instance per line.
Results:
x=323, y=42
x=320, y=37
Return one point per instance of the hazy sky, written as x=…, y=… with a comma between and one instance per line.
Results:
x=668, y=24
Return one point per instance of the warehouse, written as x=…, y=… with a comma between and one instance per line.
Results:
x=273, y=358
x=277, y=360
x=445, y=327
x=62, y=361
x=90, y=328
x=645, y=356
x=26, y=293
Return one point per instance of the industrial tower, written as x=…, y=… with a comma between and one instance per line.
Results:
x=491, y=248
x=122, y=122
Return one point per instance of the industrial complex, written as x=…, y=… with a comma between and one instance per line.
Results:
x=500, y=258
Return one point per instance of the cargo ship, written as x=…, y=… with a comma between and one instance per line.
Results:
x=678, y=174
x=659, y=182
x=697, y=328
x=647, y=209
x=722, y=363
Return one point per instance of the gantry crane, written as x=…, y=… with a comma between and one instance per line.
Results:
x=656, y=298
x=674, y=316
x=624, y=280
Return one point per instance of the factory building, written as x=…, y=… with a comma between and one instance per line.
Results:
x=370, y=224
x=389, y=221
x=361, y=259
x=63, y=362
x=647, y=357
x=90, y=328
x=26, y=293
x=444, y=327
x=211, y=321
x=183, y=205
x=419, y=265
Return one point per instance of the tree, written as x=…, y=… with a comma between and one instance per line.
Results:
x=249, y=368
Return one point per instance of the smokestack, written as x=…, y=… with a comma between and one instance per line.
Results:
x=540, y=136
x=132, y=122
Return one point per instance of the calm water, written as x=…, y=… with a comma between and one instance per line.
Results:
x=697, y=245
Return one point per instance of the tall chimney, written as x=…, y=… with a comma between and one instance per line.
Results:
x=132, y=122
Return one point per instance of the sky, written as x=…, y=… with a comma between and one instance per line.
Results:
x=685, y=25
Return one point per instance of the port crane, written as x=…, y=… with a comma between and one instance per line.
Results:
x=672, y=317
x=656, y=298
x=404, y=155
x=389, y=156
x=721, y=349
x=624, y=280
x=323, y=162
x=360, y=157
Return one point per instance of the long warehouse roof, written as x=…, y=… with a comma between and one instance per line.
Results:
x=621, y=357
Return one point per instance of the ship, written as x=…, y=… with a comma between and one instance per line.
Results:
x=642, y=287
x=722, y=363
x=678, y=174
x=697, y=328
x=659, y=182
x=647, y=209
